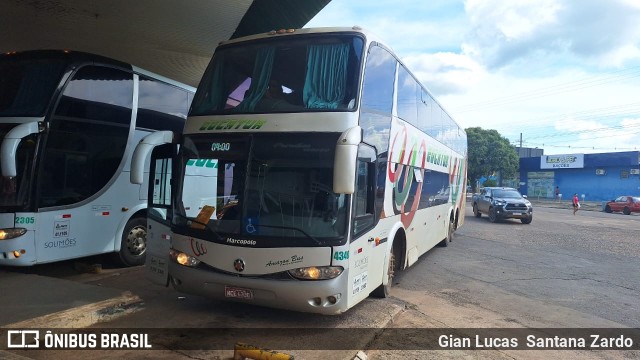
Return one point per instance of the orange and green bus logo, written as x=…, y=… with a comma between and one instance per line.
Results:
x=232, y=124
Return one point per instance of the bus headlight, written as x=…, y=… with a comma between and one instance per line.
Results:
x=183, y=259
x=316, y=272
x=12, y=233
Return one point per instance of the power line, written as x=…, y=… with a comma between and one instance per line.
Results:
x=584, y=147
x=618, y=76
x=578, y=132
x=573, y=146
x=536, y=131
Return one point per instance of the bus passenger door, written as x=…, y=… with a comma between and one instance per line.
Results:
x=369, y=252
x=159, y=213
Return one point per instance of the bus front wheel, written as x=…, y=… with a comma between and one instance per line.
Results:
x=134, y=242
x=383, y=290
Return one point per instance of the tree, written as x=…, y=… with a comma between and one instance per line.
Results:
x=490, y=153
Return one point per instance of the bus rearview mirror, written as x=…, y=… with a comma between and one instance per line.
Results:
x=141, y=153
x=10, y=144
x=344, y=166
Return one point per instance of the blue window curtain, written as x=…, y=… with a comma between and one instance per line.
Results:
x=326, y=78
x=217, y=96
x=259, y=79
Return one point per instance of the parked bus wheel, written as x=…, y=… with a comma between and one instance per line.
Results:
x=445, y=242
x=383, y=290
x=134, y=242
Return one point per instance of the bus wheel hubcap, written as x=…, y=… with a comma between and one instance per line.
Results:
x=136, y=240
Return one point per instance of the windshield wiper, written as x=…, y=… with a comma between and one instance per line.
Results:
x=292, y=228
x=190, y=221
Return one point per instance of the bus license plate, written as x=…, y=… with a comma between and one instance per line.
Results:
x=238, y=293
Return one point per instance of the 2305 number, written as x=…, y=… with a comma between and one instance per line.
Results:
x=25, y=220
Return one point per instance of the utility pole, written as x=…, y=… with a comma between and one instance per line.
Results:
x=520, y=140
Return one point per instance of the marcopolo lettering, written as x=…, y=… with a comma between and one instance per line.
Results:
x=241, y=242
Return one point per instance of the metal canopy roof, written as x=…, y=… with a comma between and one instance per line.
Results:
x=174, y=38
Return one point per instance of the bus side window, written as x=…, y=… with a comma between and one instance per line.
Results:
x=161, y=106
x=364, y=196
x=377, y=97
x=87, y=137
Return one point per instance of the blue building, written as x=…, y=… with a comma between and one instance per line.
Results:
x=599, y=177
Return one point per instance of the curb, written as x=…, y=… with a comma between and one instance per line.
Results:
x=586, y=206
x=360, y=356
x=395, y=310
x=86, y=315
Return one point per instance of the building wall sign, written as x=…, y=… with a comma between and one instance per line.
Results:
x=569, y=161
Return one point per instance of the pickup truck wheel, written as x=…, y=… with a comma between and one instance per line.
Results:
x=607, y=209
x=475, y=211
x=626, y=211
x=492, y=215
x=527, y=220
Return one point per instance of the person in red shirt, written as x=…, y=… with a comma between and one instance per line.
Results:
x=576, y=203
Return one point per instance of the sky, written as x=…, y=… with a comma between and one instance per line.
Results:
x=560, y=75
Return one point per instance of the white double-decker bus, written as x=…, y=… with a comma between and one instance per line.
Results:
x=312, y=167
x=69, y=122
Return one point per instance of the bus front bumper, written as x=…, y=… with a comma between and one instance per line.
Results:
x=321, y=296
x=20, y=251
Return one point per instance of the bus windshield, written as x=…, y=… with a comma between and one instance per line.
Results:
x=284, y=74
x=14, y=192
x=27, y=85
x=268, y=185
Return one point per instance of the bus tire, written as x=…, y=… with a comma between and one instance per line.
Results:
x=383, y=290
x=133, y=247
x=445, y=242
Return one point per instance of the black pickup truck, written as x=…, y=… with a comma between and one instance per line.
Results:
x=502, y=203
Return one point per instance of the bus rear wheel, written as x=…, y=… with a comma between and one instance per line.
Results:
x=133, y=247
x=445, y=242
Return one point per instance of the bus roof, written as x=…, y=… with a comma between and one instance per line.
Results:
x=318, y=30
x=72, y=57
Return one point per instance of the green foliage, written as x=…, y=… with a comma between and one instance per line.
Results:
x=490, y=153
x=489, y=183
